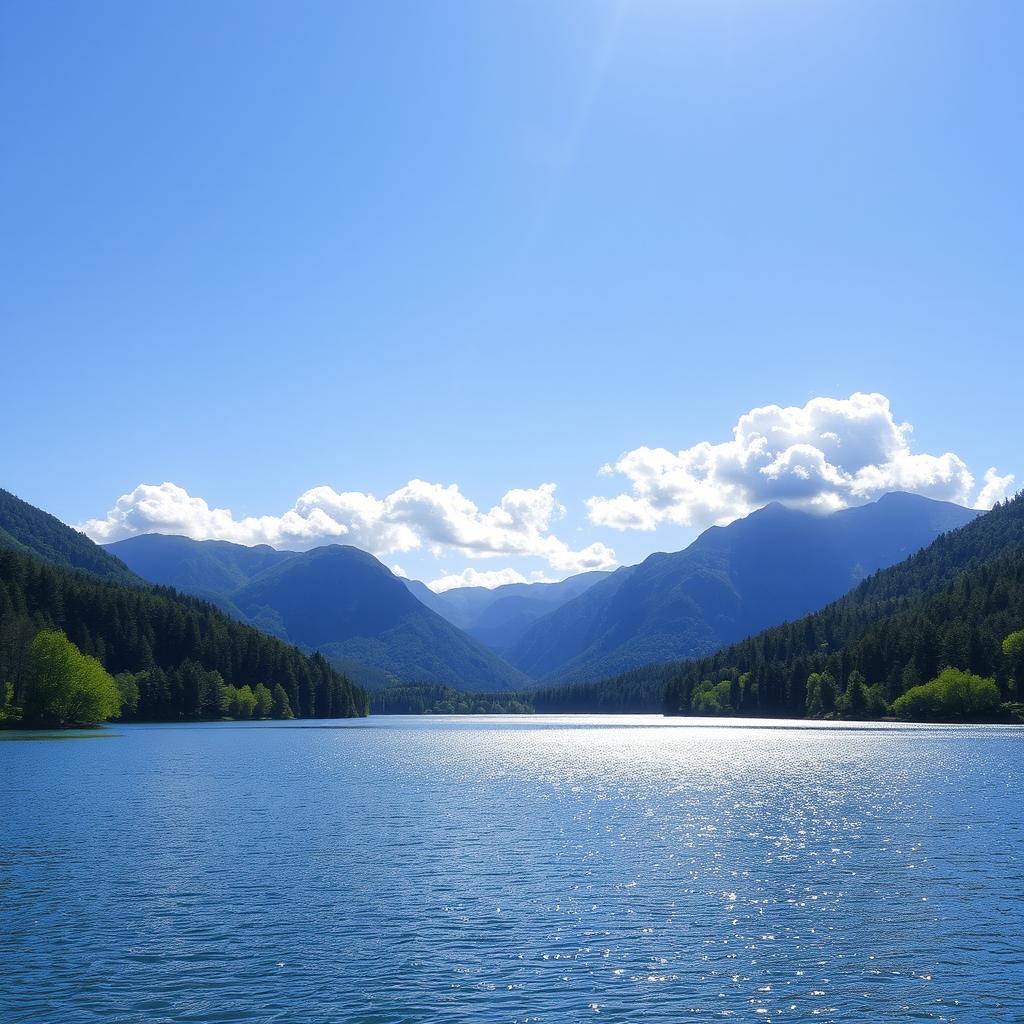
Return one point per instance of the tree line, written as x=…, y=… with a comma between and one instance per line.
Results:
x=437, y=699
x=175, y=658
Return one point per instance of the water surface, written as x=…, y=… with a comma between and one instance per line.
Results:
x=504, y=869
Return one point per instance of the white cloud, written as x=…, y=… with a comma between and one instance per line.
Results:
x=474, y=578
x=415, y=515
x=996, y=488
x=828, y=454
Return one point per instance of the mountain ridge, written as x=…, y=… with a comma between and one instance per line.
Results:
x=335, y=598
x=773, y=565
x=23, y=527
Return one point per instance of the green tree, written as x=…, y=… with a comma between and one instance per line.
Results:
x=712, y=698
x=128, y=688
x=210, y=687
x=876, y=705
x=1013, y=651
x=244, y=704
x=954, y=695
x=854, y=701
x=65, y=686
x=264, y=701
x=1013, y=645
x=226, y=699
x=159, y=637
x=282, y=706
x=821, y=694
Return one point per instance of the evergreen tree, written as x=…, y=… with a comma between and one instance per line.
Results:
x=282, y=706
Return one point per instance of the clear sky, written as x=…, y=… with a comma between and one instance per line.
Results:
x=254, y=249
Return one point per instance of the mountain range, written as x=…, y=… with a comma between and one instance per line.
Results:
x=958, y=601
x=776, y=564
x=336, y=599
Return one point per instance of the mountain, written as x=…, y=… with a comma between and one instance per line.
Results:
x=498, y=617
x=335, y=599
x=210, y=568
x=25, y=528
x=951, y=605
x=180, y=651
x=775, y=565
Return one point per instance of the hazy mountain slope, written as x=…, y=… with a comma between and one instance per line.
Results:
x=345, y=603
x=775, y=565
x=498, y=617
x=23, y=527
x=435, y=602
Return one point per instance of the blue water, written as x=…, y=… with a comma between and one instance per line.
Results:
x=511, y=869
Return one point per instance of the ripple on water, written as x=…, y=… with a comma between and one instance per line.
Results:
x=511, y=870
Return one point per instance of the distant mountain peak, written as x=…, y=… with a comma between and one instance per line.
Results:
x=335, y=598
x=776, y=564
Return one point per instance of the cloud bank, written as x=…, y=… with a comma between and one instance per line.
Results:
x=475, y=578
x=415, y=515
x=829, y=454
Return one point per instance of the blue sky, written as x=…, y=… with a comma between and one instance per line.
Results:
x=254, y=249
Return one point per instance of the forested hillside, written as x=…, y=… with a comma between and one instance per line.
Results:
x=953, y=604
x=179, y=651
x=23, y=527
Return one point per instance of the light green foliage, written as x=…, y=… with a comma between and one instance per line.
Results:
x=225, y=699
x=244, y=703
x=1013, y=645
x=954, y=696
x=714, y=698
x=1013, y=650
x=282, y=707
x=264, y=701
x=821, y=694
x=65, y=686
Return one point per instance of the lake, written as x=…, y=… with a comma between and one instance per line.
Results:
x=541, y=869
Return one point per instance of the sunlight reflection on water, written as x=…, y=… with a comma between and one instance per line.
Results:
x=496, y=869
